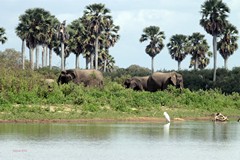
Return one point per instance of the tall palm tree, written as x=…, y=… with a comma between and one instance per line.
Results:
x=63, y=36
x=106, y=61
x=109, y=39
x=22, y=32
x=58, y=50
x=36, y=22
x=3, y=38
x=76, y=45
x=228, y=43
x=51, y=38
x=214, y=14
x=44, y=35
x=96, y=16
x=177, y=48
x=199, y=49
x=156, y=37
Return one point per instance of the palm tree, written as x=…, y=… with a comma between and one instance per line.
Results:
x=228, y=43
x=177, y=48
x=95, y=17
x=199, y=49
x=155, y=45
x=214, y=14
x=3, y=38
x=45, y=34
x=106, y=61
x=76, y=45
x=58, y=50
x=62, y=36
x=22, y=32
x=33, y=26
x=109, y=39
x=51, y=38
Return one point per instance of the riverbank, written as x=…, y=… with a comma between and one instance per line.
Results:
x=69, y=103
x=74, y=114
x=99, y=120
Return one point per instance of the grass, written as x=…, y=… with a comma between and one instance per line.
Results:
x=23, y=95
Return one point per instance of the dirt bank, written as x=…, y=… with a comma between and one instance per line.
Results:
x=135, y=119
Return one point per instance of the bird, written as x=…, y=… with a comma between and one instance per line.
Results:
x=167, y=116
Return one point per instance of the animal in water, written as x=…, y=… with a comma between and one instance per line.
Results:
x=167, y=116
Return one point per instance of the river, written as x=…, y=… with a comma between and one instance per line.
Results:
x=120, y=141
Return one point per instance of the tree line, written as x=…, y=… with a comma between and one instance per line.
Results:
x=214, y=21
x=228, y=81
x=95, y=32
x=91, y=35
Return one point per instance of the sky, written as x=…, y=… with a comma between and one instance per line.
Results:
x=172, y=16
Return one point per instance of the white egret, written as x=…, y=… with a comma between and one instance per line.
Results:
x=166, y=116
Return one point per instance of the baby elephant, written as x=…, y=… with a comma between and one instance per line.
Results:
x=137, y=83
x=86, y=77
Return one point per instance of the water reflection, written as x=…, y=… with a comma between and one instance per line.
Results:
x=166, y=130
x=103, y=141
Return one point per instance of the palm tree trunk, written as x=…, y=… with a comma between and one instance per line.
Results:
x=105, y=65
x=91, y=60
x=179, y=65
x=37, y=56
x=50, y=58
x=64, y=64
x=196, y=63
x=62, y=56
x=43, y=56
x=214, y=57
x=23, y=53
x=225, y=63
x=46, y=57
x=152, y=64
x=87, y=62
x=96, y=54
x=77, y=61
x=31, y=51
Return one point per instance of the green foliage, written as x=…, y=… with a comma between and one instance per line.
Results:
x=24, y=95
x=227, y=81
x=49, y=73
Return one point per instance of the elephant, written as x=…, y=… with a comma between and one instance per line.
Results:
x=87, y=77
x=137, y=83
x=160, y=81
x=49, y=83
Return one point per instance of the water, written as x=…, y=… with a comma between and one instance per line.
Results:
x=120, y=141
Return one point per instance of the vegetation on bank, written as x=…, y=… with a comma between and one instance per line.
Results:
x=25, y=95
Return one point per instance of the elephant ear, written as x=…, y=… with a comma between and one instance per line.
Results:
x=63, y=73
x=127, y=83
x=173, y=79
x=71, y=74
x=138, y=85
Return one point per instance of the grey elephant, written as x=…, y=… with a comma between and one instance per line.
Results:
x=160, y=81
x=137, y=83
x=88, y=77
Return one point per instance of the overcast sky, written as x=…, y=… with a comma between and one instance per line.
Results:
x=172, y=16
